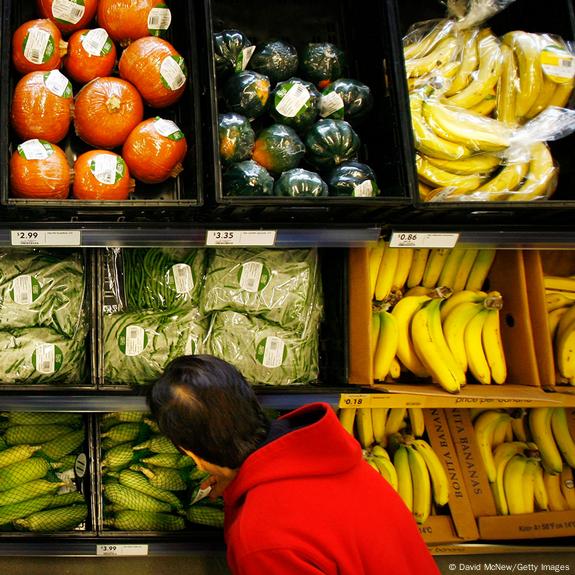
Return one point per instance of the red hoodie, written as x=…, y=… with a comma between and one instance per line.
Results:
x=306, y=503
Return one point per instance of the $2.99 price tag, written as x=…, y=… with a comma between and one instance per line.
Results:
x=113, y=550
x=423, y=240
x=46, y=237
x=240, y=237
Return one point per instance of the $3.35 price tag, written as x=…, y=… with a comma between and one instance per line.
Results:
x=113, y=550
x=423, y=240
x=240, y=237
x=46, y=238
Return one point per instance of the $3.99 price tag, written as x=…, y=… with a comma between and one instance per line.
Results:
x=113, y=550
x=423, y=240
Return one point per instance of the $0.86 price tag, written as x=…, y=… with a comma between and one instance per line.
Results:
x=240, y=237
x=423, y=240
x=112, y=550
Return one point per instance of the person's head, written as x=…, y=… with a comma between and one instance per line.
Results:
x=205, y=407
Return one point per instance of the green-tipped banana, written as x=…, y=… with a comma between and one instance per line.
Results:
x=542, y=433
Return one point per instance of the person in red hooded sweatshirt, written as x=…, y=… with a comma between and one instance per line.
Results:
x=298, y=497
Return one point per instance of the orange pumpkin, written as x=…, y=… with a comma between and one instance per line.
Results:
x=106, y=111
x=91, y=54
x=128, y=20
x=42, y=106
x=68, y=15
x=39, y=170
x=154, y=150
x=101, y=175
x=156, y=69
x=37, y=45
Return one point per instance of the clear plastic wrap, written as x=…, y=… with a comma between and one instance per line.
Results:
x=470, y=13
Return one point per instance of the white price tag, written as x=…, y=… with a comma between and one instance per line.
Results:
x=240, y=237
x=58, y=238
x=423, y=240
x=113, y=550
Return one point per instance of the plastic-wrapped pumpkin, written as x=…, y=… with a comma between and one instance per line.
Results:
x=68, y=15
x=101, y=175
x=154, y=150
x=232, y=51
x=37, y=45
x=247, y=179
x=91, y=54
x=352, y=179
x=346, y=99
x=276, y=59
x=295, y=103
x=321, y=63
x=247, y=93
x=156, y=69
x=236, y=138
x=278, y=148
x=331, y=142
x=39, y=170
x=106, y=111
x=129, y=20
x=42, y=106
x=300, y=183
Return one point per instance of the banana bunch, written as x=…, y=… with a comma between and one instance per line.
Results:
x=559, y=300
x=528, y=458
x=394, y=447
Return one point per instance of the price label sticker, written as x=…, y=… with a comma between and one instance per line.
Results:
x=355, y=400
x=240, y=237
x=423, y=240
x=113, y=550
x=59, y=238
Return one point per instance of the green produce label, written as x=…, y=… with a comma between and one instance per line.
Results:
x=159, y=19
x=180, y=278
x=132, y=340
x=25, y=290
x=271, y=352
x=253, y=276
x=58, y=84
x=173, y=72
x=35, y=149
x=38, y=46
x=108, y=168
x=47, y=358
x=558, y=64
x=291, y=100
x=244, y=57
x=168, y=129
x=96, y=42
x=68, y=11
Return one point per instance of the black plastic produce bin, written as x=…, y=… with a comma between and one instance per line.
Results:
x=85, y=481
x=529, y=16
x=368, y=36
x=149, y=201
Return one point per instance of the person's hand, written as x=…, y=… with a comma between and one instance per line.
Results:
x=218, y=485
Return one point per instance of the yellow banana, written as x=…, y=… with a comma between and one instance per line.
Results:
x=386, y=273
x=519, y=427
x=507, y=180
x=513, y=484
x=464, y=270
x=378, y=451
x=449, y=271
x=386, y=345
x=437, y=473
x=539, y=491
x=417, y=267
x=542, y=433
x=502, y=454
x=423, y=190
x=500, y=433
x=480, y=270
x=484, y=428
x=421, y=483
x=454, y=329
x=477, y=164
x=427, y=141
x=375, y=325
x=507, y=88
x=527, y=53
x=568, y=486
x=528, y=484
x=476, y=359
x=554, y=494
x=437, y=177
x=404, y=262
x=475, y=411
x=562, y=435
x=486, y=106
x=395, y=369
x=459, y=297
x=347, y=418
x=565, y=323
x=423, y=46
x=469, y=62
x=559, y=283
x=493, y=346
x=416, y=421
x=378, y=420
x=553, y=318
x=404, y=310
x=432, y=349
x=487, y=74
x=509, y=435
x=545, y=95
x=375, y=255
x=395, y=420
x=435, y=263
x=562, y=94
x=461, y=126
x=419, y=290
x=387, y=470
x=443, y=53
x=540, y=180
x=404, y=481
x=557, y=300
x=364, y=427
x=565, y=345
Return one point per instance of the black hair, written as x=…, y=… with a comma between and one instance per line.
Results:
x=204, y=405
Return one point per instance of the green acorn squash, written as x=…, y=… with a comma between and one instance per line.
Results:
x=247, y=179
x=331, y=142
x=276, y=59
x=278, y=148
x=352, y=179
x=300, y=183
x=295, y=103
x=229, y=54
x=247, y=93
x=321, y=63
x=236, y=138
x=345, y=99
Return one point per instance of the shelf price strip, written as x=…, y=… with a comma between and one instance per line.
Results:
x=240, y=237
x=57, y=238
x=114, y=550
x=423, y=240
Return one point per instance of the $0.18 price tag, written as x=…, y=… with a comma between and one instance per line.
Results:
x=111, y=550
x=240, y=237
x=423, y=240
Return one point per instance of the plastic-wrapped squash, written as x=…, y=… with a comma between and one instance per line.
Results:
x=331, y=142
x=247, y=179
x=300, y=183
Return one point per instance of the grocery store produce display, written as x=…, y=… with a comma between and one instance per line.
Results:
x=483, y=106
x=43, y=461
